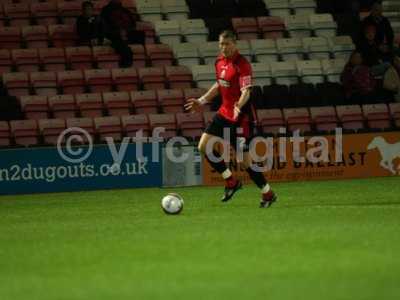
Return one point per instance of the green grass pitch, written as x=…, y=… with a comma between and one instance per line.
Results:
x=322, y=240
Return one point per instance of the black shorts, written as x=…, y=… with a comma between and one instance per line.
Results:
x=237, y=133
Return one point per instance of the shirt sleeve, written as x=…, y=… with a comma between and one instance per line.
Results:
x=245, y=75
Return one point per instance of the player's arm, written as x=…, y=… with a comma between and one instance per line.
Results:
x=245, y=82
x=244, y=98
x=194, y=104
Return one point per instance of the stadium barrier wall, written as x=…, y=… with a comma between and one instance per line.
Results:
x=364, y=155
x=41, y=170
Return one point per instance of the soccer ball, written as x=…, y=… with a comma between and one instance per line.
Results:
x=172, y=204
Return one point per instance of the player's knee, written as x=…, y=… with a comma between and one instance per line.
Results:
x=201, y=147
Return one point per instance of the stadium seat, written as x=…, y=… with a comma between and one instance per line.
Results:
x=265, y=51
x=261, y=74
x=194, y=30
x=69, y=11
x=44, y=83
x=303, y=6
x=86, y=124
x=52, y=59
x=34, y=107
x=149, y=31
x=351, y=117
x=204, y=75
x=99, y=80
x=323, y=25
x=129, y=4
x=5, y=136
x=133, y=123
x=317, y=47
x=209, y=51
x=35, y=36
x=45, y=13
x=145, y=102
x=330, y=93
x=25, y=132
x=377, y=116
x=108, y=127
x=190, y=125
x=175, y=9
x=297, y=119
x=245, y=28
x=17, y=83
x=71, y=82
x=178, y=77
x=285, y=72
x=159, y=55
x=290, y=49
x=117, y=103
x=244, y=49
x=270, y=121
x=333, y=68
x=271, y=27
x=395, y=113
x=79, y=58
x=341, y=47
x=165, y=121
x=279, y=8
x=168, y=32
x=62, y=106
x=149, y=10
x=302, y=94
x=139, y=56
x=10, y=37
x=196, y=93
x=62, y=36
x=152, y=78
x=252, y=8
x=257, y=97
x=19, y=14
x=50, y=129
x=5, y=61
x=187, y=54
x=276, y=96
x=310, y=71
x=298, y=26
x=324, y=118
x=2, y=16
x=26, y=60
x=170, y=101
x=125, y=79
x=90, y=105
x=105, y=57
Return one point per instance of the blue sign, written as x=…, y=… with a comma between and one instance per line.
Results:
x=42, y=170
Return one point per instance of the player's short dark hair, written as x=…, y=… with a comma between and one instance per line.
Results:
x=228, y=34
x=87, y=4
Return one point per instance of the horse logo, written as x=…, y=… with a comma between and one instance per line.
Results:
x=389, y=152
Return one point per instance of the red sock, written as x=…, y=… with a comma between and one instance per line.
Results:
x=268, y=195
x=230, y=182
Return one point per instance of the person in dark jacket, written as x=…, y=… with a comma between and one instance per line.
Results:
x=119, y=26
x=88, y=27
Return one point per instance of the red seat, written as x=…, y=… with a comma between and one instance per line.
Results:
x=152, y=78
x=117, y=103
x=179, y=77
x=51, y=129
x=5, y=61
x=18, y=13
x=351, y=117
x=125, y=79
x=166, y=122
x=139, y=56
x=108, y=127
x=190, y=125
x=90, y=105
x=62, y=36
x=69, y=10
x=79, y=58
x=395, y=113
x=17, y=83
x=62, y=106
x=130, y=5
x=196, y=93
x=34, y=107
x=25, y=132
x=159, y=54
x=377, y=116
x=45, y=13
x=71, y=82
x=44, y=83
x=10, y=37
x=105, y=57
x=171, y=101
x=270, y=120
x=85, y=124
x=99, y=80
x=144, y=102
x=5, y=136
x=52, y=59
x=133, y=123
x=297, y=119
x=35, y=36
x=271, y=27
x=324, y=118
x=245, y=28
x=149, y=31
x=26, y=60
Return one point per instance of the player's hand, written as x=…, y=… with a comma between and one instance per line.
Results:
x=236, y=111
x=192, y=105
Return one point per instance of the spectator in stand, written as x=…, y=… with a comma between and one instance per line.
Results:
x=88, y=26
x=357, y=80
x=119, y=26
